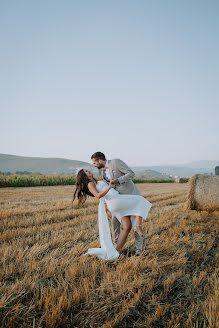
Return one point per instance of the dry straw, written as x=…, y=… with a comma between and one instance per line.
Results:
x=204, y=192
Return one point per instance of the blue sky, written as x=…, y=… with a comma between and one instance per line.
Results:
x=137, y=80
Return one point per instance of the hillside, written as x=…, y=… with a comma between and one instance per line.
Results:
x=149, y=174
x=12, y=163
x=204, y=163
x=182, y=171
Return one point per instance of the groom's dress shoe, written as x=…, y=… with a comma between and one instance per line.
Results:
x=138, y=252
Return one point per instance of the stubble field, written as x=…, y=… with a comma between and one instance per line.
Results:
x=45, y=282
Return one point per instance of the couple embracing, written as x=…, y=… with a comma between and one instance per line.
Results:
x=123, y=200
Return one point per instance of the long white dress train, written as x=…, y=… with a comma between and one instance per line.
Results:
x=120, y=205
x=107, y=250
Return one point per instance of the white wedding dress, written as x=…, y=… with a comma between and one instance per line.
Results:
x=120, y=205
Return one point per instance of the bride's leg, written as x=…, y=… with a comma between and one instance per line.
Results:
x=138, y=227
x=126, y=227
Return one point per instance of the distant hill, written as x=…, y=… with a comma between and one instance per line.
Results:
x=187, y=170
x=149, y=174
x=203, y=164
x=182, y=171
x=12, y=163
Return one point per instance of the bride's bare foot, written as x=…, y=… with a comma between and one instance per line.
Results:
x=139, y=230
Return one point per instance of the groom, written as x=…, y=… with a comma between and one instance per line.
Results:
x=121, y=175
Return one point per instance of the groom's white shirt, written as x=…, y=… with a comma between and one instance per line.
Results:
x=107, y=173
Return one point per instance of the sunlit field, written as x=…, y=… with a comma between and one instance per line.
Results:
x=46, y=282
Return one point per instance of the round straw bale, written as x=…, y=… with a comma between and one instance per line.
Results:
x=203, y=192
x=216, y=170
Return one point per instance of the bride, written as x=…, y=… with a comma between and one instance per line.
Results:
x=128, y=209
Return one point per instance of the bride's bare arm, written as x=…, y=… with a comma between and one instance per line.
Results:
x=92, y=187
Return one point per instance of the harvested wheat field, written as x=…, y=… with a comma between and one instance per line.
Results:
x=45, y=282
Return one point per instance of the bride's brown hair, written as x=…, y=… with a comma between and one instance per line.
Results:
x=82, y=190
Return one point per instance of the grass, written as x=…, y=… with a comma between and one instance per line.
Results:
x=45, y=282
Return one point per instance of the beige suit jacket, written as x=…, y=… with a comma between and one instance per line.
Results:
x=120, y=170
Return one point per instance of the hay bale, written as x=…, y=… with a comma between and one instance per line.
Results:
x=216, y=170
x=204, y=192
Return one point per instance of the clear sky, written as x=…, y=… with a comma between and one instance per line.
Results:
x=137, y=80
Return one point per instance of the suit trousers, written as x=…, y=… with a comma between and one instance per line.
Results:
x=116, y=231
